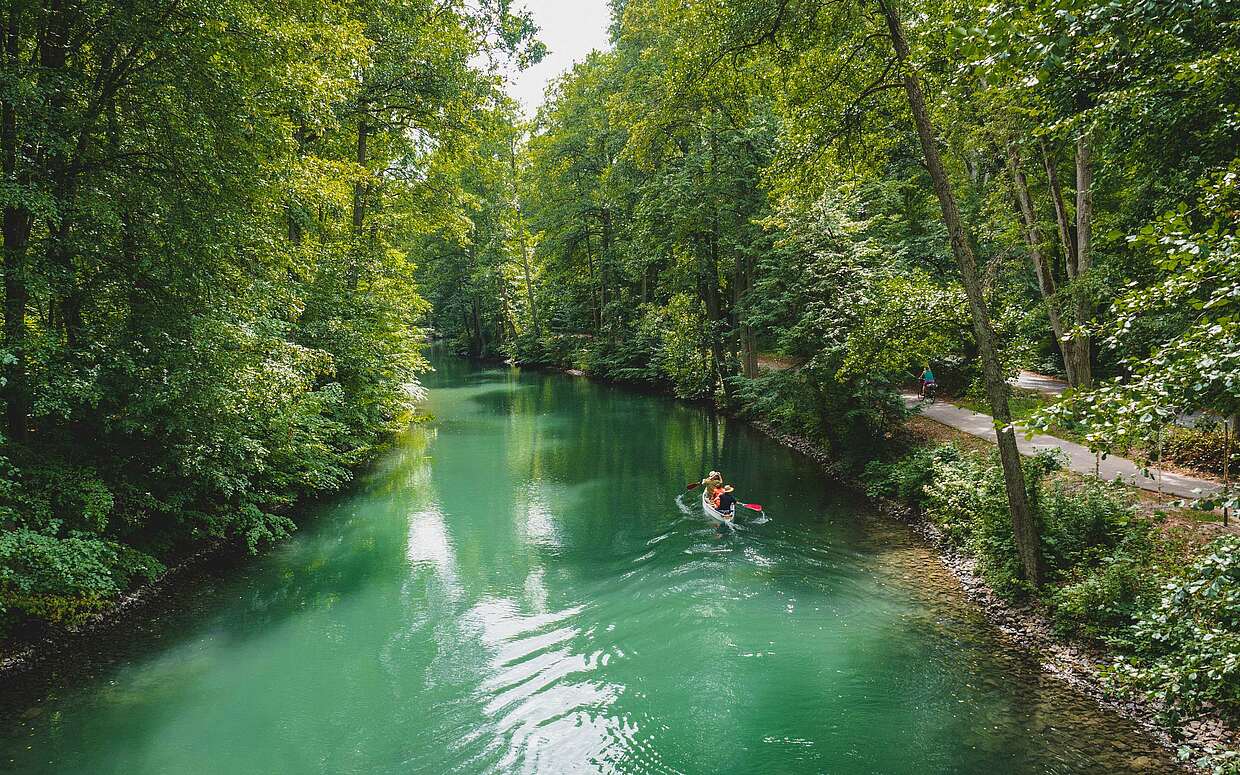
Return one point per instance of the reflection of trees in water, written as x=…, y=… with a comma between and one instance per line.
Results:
x=346, y=546
x=535, y=484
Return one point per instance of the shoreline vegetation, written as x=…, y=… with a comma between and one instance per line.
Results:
x=229, y=227
x=1072, y=642
x=866, y=190
x=210, y=307
x=1204, y=739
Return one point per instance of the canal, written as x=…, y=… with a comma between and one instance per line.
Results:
x=520, y=585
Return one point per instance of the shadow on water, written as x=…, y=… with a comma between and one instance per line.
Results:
x=524, y=586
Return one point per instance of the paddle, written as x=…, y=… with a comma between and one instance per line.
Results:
x=693, y=486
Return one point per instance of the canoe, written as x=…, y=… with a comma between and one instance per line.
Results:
x=715, y=513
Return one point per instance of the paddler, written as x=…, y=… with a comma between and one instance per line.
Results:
x=712, y=485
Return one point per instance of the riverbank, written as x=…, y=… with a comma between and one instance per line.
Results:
x=1202, y=742
x=1027, y=627
x=1203, y=739
x=39, y=642
x=419, y=620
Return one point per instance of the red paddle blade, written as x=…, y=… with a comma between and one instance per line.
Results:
x=754, y=506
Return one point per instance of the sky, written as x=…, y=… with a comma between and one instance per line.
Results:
x=571, y=29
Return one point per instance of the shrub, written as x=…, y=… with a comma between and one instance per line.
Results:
x=963, y=495
x=63, y=580
x=1081, y=522
x=1187, y=642
x=1198, y=448
x=908, y=477
x=1102, y=601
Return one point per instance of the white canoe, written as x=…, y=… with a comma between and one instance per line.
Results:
x=715, y=513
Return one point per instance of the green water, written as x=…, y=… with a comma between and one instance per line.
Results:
x=516, y=587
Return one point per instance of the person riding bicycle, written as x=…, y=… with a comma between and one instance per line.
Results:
x=927, y=381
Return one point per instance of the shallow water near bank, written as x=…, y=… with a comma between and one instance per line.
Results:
x=520, y=586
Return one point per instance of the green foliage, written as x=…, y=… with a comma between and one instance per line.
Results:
x=1115, y=577
x=65, y=580
x=1188, y=642
x=963, y=495
x=1196, y=448
x=1191, y=364
x=1101, y=601
x=212, y=213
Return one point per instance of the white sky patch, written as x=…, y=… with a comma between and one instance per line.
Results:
x=571, y=29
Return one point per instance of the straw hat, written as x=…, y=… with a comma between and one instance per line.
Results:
x=727, y=488
x=714, y=476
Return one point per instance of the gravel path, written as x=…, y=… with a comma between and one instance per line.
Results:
x=1080, y=459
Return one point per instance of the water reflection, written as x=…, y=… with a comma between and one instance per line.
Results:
x=517, y=588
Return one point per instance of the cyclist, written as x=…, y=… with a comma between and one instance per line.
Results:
x=927, y=381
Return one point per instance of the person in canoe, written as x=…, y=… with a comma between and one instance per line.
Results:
x=711, y=485
x=718, y=494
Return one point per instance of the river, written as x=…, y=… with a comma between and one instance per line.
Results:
x=520, y=585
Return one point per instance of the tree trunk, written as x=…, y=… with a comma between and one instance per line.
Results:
x=359, y=206
x=1066, y=239
x=1084, y=257
x=16, y=226
x=507, y=327
x=359, y=187
x=294, y=224
x=747, y=356
x=1041, y=264
x=480, y=341
x=525, y=256
x=53, y=56
x=603, y=274
x=715, y=314
x=749, y=341
x=1023, y=520
x=596, y=289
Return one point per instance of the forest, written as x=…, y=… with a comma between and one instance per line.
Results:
x=230, y=228
x=789, y=207
x=210, y=304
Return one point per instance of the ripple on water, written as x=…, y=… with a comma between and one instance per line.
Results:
x=430, y=625
x=545, y=707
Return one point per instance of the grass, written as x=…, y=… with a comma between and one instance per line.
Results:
x=1022, y=403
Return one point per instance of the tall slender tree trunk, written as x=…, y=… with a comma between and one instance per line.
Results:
x=596, y=288
x=53, y=56
x=525, y=256
x=294, y=224
x=360, y=188
x=480, y=340
x=17, y=224
x=603, y=267
x=506, y=325
x=1075, y=238
x=715, y=314
x=1081, y=349
x=749, y=341
x=1024, y=525
x=1066, y=239
x=1041, y=264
